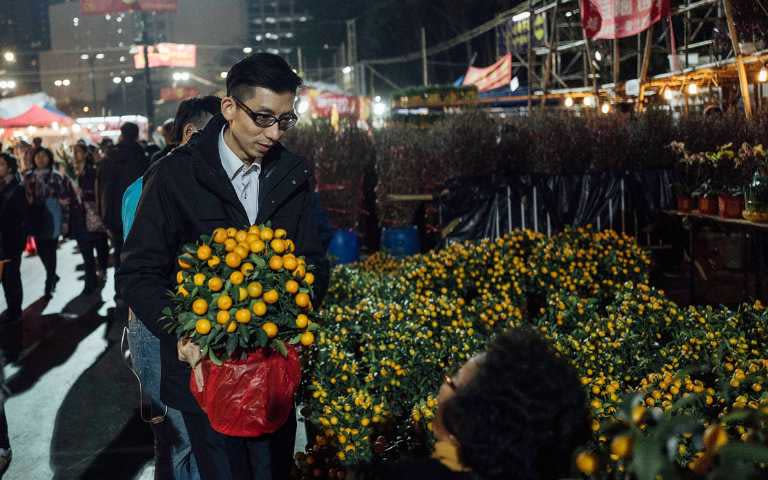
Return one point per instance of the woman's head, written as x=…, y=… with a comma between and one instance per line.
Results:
x=518, y=410
x=82, y=156
x=8, y=165
x=43, y=158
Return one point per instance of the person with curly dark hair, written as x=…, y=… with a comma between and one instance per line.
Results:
x=515, y=412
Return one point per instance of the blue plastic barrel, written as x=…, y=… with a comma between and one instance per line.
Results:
x=401, y=242
x=344, y=247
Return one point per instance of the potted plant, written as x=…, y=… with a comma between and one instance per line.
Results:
x=730, y=176
x=689, y=172
x=754, y=159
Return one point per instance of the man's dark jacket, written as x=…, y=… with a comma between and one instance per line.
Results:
x=187, y=194
x=13, y=213
x=122, y=165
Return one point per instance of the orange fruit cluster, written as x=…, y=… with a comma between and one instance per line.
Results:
x=245, y=282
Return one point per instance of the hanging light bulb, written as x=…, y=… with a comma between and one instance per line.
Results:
x=590, y=101
x=762, y=77
x=669, y=94
x=606, y=108
x=568, y=102
x=693, y=89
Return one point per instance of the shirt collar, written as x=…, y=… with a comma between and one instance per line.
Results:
x=231, y=163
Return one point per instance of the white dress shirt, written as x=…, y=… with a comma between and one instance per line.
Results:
x=244, y=178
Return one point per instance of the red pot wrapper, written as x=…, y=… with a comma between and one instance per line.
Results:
x=251, y=397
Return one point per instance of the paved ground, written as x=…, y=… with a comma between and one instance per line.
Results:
x=73, y=413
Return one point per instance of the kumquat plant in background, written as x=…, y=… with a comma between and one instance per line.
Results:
x=677, y=392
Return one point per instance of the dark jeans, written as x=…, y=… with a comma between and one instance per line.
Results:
x=87, y=243
x=5, y=443
x=116, y=238
x=220, y=457
x=12, y=288
x=46, y=250
x=10, y=326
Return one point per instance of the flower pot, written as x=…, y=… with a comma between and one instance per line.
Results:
x=344, y=247
x=401, y=242
x=708, y=205
x=730, y=206
x=684, y=203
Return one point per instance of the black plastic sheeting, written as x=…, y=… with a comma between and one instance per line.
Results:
x=486, y=207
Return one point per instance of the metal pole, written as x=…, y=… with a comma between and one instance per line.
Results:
x=530, y=55
x=743, y=82
x=424, y=72
x=301, y=60
x=149, y=98
x=616, y=64
x=644, y=69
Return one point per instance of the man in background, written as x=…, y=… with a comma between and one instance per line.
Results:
x=173, y=454
x=123, y=164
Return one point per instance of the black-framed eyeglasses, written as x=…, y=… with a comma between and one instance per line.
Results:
x=265, y=120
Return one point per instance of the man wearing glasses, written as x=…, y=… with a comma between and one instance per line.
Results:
x=232, y=173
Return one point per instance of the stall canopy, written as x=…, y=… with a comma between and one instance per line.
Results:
x=36, y=116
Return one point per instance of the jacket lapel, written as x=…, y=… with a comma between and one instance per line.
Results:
x=209, y=171
x=281, y=175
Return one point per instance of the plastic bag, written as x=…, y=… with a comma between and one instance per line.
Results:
x=251, y=397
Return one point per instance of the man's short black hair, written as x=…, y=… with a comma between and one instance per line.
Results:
x=129, y=132
x=522, y=414
x=261, y=70
x=196, y=111
x=11, y=162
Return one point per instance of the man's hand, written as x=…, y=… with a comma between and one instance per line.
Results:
x=189, y=352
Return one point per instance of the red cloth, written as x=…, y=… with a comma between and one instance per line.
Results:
x=251, y=397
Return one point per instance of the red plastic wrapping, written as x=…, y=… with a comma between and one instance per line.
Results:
x=251, y=397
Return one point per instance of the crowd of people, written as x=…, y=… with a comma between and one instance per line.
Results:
x=505, y=414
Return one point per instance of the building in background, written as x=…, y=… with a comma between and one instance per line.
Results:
x=275, y=25
x=90, y=67
x=24, y=32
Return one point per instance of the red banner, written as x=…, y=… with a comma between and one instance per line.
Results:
x=167, y=55
x=496, y=76
x=98, y=7
x=604, y=19
x=175, y=94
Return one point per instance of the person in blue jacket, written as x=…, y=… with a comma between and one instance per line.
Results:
x=174, y=457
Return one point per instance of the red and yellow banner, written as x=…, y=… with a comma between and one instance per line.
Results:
x=98, y=7
x=167, y=55
x=610, y=19
x=496, y=76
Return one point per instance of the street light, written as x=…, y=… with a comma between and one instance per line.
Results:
x=7, y=84
x=347, y=70
x=247, y=50
x=128, y=79
x=180, y=76
x=84, y=56
x=762, y=77
x=117, y=80
x=66, y=82
x=9, y=57
x=223, y=74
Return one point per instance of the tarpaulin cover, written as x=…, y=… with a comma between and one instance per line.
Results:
x=476, y=207
x=250, y=397
x=36, y=116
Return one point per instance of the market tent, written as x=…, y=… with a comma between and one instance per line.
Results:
x=36, y=116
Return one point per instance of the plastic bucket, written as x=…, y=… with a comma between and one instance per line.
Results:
x=401, y=242
x=344, y=247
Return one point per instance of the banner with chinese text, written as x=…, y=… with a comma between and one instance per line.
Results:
x=610, y=19
x=496, y=76
x=98, y=7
